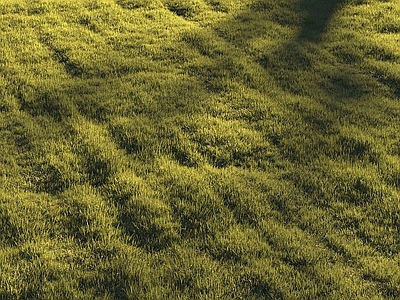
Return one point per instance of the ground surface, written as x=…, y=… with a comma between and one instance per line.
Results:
x=199, y=149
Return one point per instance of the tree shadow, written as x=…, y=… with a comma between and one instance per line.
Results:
x=291, y=47
x=318, y=14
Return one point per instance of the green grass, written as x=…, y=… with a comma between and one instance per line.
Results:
x=199, y=149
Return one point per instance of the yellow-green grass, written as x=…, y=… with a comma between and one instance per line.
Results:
x=199, y=149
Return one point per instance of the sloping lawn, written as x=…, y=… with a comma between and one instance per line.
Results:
x=199, y=149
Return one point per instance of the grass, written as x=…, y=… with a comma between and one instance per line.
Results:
x=199, y=149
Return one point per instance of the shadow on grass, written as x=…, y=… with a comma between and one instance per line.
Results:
x=293, y=54
x=318, y=14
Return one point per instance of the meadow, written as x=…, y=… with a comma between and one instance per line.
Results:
x=199, y=149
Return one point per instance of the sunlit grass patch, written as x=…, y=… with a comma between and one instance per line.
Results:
x=86, y=215
x=99, y=154
x=234, y=145
x=191, y=270
x=195, y=204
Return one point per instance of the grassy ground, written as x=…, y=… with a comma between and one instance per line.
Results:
x=199, y=149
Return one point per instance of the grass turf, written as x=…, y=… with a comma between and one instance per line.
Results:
x=199, y=149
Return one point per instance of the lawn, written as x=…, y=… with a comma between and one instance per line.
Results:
x=199, y=149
